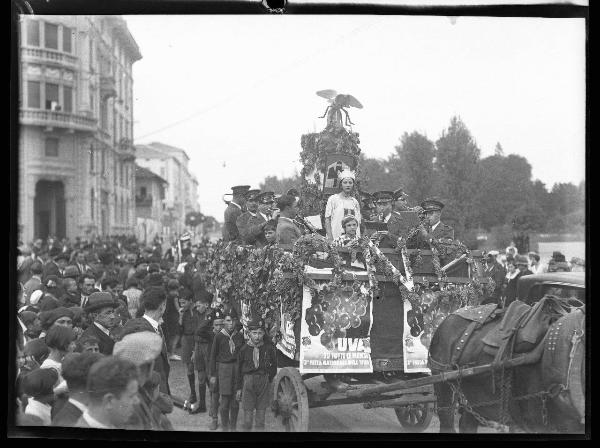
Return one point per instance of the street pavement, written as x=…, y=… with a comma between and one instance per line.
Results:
x=343, y=419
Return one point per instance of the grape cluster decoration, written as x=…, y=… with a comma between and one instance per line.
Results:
x=334, y=312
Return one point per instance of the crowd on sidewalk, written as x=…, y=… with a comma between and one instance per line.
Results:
x=99, y=323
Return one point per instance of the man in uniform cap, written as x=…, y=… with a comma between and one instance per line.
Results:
x=256, y=225
x=252, y=209
x=101, y=311
x=383, y=201
x=400, y=198
x=233, y=211
x=433, y=227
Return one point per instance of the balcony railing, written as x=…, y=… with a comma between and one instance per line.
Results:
x=55, y=119
x=44, y=54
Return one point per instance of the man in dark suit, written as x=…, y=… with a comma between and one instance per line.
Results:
x=233, y=211
x=434, y=228
x=384, y=203
x=75, y=369
x=101, y=311
x=251, y=211
x=154, y=300
x=50, y=266
x=256, y=225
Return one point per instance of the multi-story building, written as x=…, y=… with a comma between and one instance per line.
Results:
x=149, y=204
x=76, y=153
x=181, y=197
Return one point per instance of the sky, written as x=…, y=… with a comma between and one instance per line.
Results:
x=237, y=92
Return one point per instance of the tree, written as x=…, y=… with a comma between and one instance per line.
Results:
x=565, y=198
x=412, y=165
x=506, y=185
x=499, y=150
x=375, y=175
x=280, y=186
x=458, y=173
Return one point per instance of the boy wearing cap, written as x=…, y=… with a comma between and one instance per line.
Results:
x=341, y=205
x=223, y=369
x=232, y=212
x=257, y=367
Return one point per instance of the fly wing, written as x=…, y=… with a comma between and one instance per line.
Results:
x=329, y=94
x=353, y=102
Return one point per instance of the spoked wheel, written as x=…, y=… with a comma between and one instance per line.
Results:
x=290, y=400
x=415, y=417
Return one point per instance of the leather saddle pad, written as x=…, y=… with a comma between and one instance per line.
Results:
x=479, y=314
x=513, y=314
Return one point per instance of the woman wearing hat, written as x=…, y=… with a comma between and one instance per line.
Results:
x=341, y=205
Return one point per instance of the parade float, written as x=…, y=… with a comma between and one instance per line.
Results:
x=361, y=316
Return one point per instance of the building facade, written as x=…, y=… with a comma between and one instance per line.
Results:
x=149, y=204
x=181, y=197
x=76, y=153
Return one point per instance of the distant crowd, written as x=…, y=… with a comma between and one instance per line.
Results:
x=99, y=322
x=506, y=269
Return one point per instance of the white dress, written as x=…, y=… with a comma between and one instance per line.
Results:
x=338, y=207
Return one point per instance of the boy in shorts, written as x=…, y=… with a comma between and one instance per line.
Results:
x=257, y=366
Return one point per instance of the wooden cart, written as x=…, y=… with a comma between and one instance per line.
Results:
x=409, y=394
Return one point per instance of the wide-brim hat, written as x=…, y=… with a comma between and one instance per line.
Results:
x=99, y=300
x=432, y=205
x=240, y=189
x=383, y=196
x=47, y=318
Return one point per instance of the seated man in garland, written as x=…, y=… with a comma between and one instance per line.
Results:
x=433, y=228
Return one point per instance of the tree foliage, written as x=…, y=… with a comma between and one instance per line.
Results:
x=496, y=192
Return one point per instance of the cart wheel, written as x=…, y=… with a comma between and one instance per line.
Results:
x=290, y=400
x=415, y=417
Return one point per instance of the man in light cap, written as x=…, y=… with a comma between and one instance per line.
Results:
x=257, y=366
x=142, y=349
x=251, y=210
x=341, y=205
x=233, y=211
x=101, y=311
x=256, y=225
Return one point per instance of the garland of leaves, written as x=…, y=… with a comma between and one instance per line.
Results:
x=243, y=274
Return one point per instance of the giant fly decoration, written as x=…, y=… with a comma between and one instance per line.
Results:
x=337, y=104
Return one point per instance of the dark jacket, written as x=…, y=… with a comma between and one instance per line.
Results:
x=220, y=351
x=68, y=415
x=199, y=289
x=105, y=342
x=50, y=268
x=230, y=229
x=422, y=242
x=267, y=362
x=287, y=232
x=69, y=300
x=161, y=364
x=242, y=225
x=255, y=231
